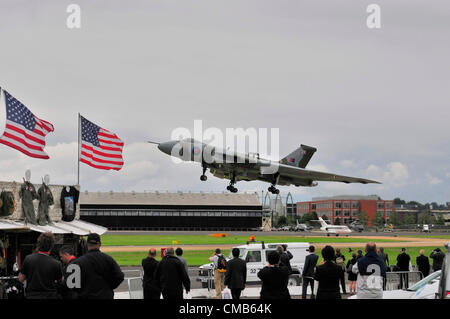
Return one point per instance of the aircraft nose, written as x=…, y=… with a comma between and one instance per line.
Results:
x=166, y=147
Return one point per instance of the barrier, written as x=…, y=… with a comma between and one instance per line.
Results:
x=135, y=288
x=401, y=279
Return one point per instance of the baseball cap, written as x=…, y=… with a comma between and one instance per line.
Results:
x=93, y=238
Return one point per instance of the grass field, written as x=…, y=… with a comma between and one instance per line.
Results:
x=200, y=257
x=149, y=240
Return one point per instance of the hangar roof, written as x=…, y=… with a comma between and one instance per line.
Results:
x=165, y=198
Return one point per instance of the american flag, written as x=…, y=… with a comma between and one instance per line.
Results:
x=24, y=131
x=100, y=148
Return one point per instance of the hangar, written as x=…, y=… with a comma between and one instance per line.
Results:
x=171, y=211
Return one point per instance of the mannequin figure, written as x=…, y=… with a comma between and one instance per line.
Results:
x=69, y=199
x=28, y=193
x=45, y=200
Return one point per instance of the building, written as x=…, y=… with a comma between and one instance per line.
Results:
x=345, y=209
x=172, y=211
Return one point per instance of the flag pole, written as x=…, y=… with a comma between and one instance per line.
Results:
x=79, y=135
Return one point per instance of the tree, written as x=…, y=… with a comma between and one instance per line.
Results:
x=314, y=216
x=424, y=217
x=379, y=219
x=363, y=217
x=337, y=221
x=324, y=217
x=282, y=220
x=409, y=219
x=440, y=220
x=394, y=219
x=398, y=201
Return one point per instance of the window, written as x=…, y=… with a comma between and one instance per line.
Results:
x=337, y=213
x=380, y=205
x=355, y=205
x=337, y=205
x=346, y=213
x=313, y=206
x=253, y=256
x=389, y=205
x=346, y=205
x=355, y=213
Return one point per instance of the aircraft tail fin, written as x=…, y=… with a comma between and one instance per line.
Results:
x=300, y=157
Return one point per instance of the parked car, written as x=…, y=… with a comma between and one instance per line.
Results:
x=256, y=257
x=423, y=289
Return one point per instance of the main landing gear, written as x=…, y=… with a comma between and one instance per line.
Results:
x=231, y=187
x=273, y=190
x=203, y=177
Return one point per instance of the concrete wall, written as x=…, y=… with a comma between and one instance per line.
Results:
x=55, y=211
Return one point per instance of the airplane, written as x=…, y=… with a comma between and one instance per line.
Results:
x=300, y=227
x=333, y=229
x=290, y=170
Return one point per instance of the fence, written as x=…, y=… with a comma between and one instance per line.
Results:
x=401, y=279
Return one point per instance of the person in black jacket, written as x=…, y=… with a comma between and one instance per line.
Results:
x=100, y=273
x=42, y=272
x=67, y=257
x=236, y=275
x=308, y=272
x=438, y=258
x=352, y=277
x=423, y=264
x=149, y=264
x=274, y=278
x=284, y=257
x=170, y=276
x=403, y=260
x=328, y=275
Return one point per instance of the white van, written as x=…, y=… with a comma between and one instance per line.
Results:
x=256, y=257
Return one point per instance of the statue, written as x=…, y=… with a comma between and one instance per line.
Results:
x=28, y=193
x=45, y=201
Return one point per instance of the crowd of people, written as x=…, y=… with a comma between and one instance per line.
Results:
x=95, y=275
x=366, y=273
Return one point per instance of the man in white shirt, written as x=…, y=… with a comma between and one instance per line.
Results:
x=219, y=274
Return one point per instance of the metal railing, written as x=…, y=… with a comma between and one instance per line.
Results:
x=401, y=279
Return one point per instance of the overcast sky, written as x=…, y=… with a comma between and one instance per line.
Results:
x=374, y=102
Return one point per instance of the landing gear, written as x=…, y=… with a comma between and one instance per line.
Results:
x=231, y=187
x=273, y=190
x=203, y=177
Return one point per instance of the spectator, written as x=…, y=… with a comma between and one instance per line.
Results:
x=339, y=259
x=438, y=258
x=219, y=272
x=81, y=247
x=287, y=252
x=351, y=276
x=403, y=261
x=384, y=256
x=423, y=264
x=171, y=276
x=328, y=275
x=308, y=272
x=66, y=254
x=370, y=269
x=274, y=278
x=149, y=285
x=236, y=275
x=41, y=271
x=179, y=253
x=360, y=254
x=284, y=258
x=100, y=273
